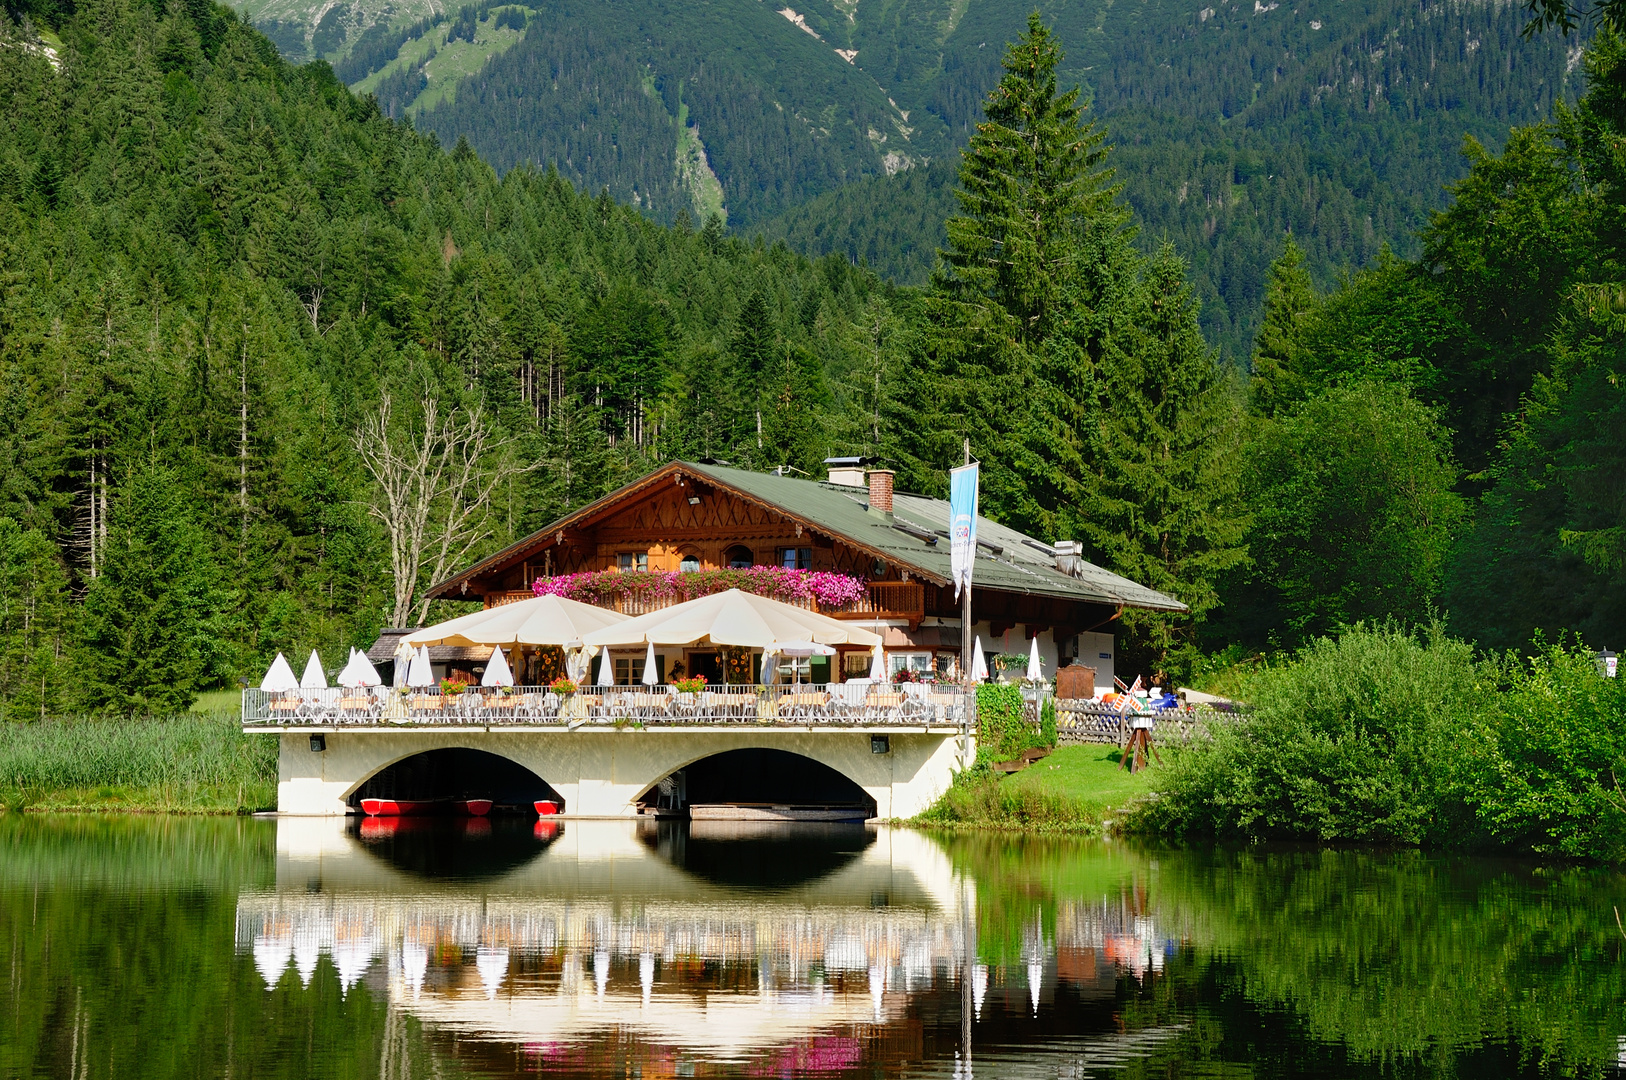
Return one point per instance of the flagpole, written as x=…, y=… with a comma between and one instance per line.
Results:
x=969, y=711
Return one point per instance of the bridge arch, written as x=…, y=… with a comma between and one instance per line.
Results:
x=456, y=771
x=748, y=775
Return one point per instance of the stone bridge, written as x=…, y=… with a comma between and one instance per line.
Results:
x=604, y=772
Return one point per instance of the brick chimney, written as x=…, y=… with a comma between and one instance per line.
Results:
x=880, y=490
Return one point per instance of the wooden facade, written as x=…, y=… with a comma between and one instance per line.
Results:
x=674, y=519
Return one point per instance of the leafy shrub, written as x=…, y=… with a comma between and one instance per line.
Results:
x=1558, y=755
x=1003, y=730
x=1375, y=736
x=1047, y=722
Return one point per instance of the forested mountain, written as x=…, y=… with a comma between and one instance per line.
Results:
x=1235, y=122
x=219, y=273
x=1341, y=124
x=272, y=362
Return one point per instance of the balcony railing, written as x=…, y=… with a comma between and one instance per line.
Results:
x=856, y=704
x=881, y=600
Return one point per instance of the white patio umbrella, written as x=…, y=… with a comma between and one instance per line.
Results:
x=422, y=673
x=280, y=678
x=606, y=669
x=731, y=618
x=403, y=662
x=877, y=666
x=979, y=663
x=770, y=666
x=1035, y=669
x=314, y=678
x=542, y=620
x=796, y=649
x=497, y=670
x=361, y=672
x=651, y=675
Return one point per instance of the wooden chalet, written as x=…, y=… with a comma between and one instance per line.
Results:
x=698, y=515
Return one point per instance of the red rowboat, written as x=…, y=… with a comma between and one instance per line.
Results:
x=544, y=807
x=400, y=807
x=418, y=807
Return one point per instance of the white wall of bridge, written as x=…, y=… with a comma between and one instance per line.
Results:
x=602, y=773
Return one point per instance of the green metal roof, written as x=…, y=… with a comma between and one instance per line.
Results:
x=843, y=511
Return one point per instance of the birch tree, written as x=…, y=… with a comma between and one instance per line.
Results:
x=433, y=478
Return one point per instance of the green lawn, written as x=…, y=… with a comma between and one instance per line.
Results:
x=218, y=701
x=1090, y=774
x=1075, y=789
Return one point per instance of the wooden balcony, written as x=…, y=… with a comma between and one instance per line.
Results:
x=881, y=600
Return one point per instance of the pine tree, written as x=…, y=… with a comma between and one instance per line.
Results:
x=1161, y=504
x=1033, y=183
x=1279, y=376
x=35, y=625
x=149, y=641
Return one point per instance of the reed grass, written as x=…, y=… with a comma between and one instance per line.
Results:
x=183, y=763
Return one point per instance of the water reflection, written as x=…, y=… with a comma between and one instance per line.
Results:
x=764, y=949
x=314, y=948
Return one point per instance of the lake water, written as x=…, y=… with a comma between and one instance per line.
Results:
x=158, y=947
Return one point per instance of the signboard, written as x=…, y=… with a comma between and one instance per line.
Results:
x=962, y=525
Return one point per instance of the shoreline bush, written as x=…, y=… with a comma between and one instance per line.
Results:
x=1403, y=736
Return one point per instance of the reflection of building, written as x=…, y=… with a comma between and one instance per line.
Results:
x=604, y=939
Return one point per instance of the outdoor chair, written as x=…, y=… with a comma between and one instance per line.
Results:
x=284, y=708
x=426, y=707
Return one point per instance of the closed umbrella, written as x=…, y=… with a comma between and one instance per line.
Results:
x=877, y=665
x=979, y=663
x=403, y=663
x=362, y=672
x=651, y=675
x=422, y=673
x=606, y=670
x=280, y=678
x=1035, y=672
x=314, y=678
x=497, y=671
x=770, y=666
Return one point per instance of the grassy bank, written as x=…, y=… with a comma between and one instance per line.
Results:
x=1081, y=789
x=186, y=763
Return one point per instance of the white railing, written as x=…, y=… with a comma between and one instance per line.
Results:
x=851, y=704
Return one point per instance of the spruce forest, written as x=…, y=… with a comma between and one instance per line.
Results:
x=245, y=315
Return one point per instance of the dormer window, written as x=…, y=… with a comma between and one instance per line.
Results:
x=739, y=557
x=628, y=561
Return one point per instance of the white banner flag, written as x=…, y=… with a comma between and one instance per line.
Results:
x=962, y=525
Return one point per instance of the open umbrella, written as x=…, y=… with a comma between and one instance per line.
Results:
x=541, y=620
x=1035, y=670
x=314, y=678
x=797, y=650
x=421, y=673
x=280, y=678
x=497, y=671
x=731, y=618
x=651, y=674
x=979, y=663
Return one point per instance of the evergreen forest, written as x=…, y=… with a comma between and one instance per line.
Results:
x=273, y=362
x=1233, y=122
